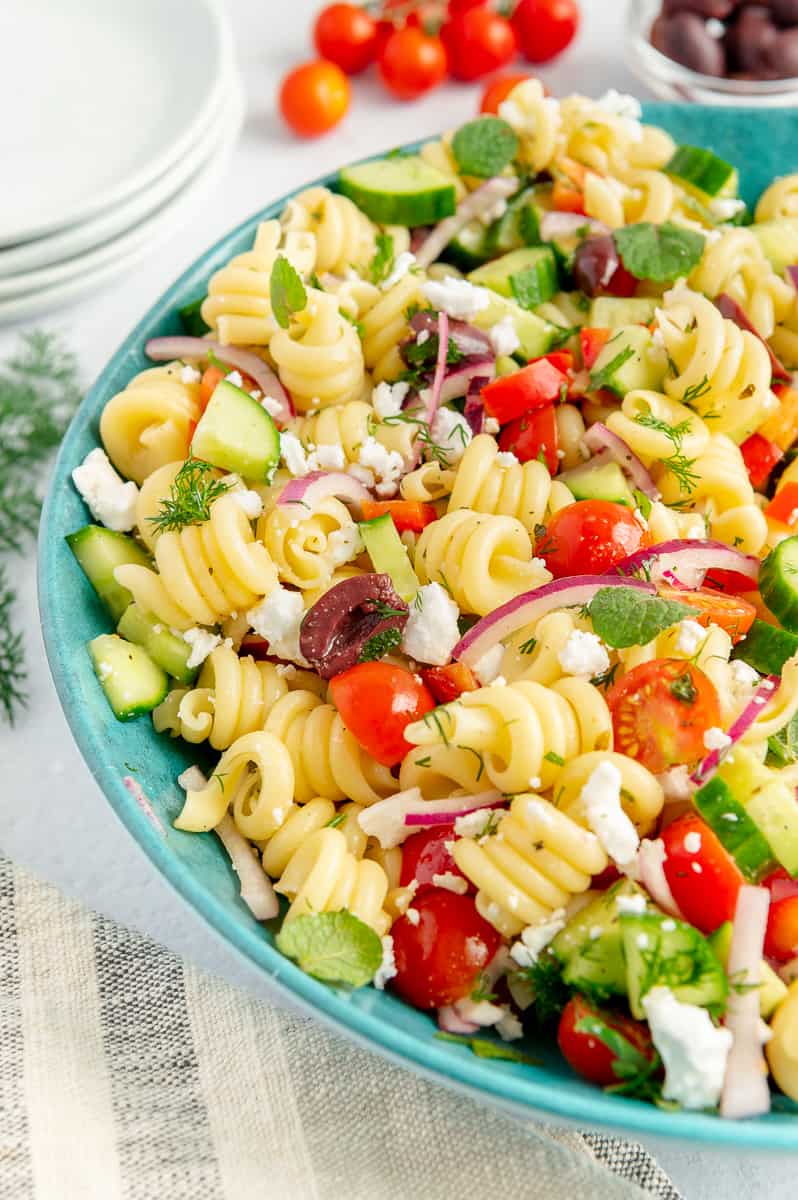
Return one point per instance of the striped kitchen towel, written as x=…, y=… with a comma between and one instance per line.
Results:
x=127, y=1074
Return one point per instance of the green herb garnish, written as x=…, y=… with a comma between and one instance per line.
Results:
x=380, y=644
x=288, y=294
x=556, y=759
x=684, y=689
x=604, y=377
x=381, y=263
x=783, y=746
x=191, y=495
x=625, y=616
x=677, y=463
x=661, y=253
x=486, y=1049
x=484, y=147
x=335, y=947
x=550, y=992
x=422, y=358
x=636, y=1073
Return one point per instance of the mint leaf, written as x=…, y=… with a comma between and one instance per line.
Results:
x=783, y=746
x=604, y=378
x=643, y=503
x=335, y=947
x=484, y=147
x=624, y=616
x=382, y=261
x=380, y=644
x=659, y=252
x=485, y=1049
x=288, y=295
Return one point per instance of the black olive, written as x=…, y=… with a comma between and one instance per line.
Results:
x=337, y=627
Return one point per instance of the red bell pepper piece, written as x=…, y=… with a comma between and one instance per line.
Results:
x=534, y=386
x=760, y=456
x=405, y=514
x=533, y=436
x=784, y=505
x=592, y=342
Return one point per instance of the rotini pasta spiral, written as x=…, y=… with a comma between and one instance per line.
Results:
x=350, y=426
x=483, y=560
x=323, y=876
x=736, y=264
x=779, y=201
x=255, y=775
x=149, y=424
x=306, y=549
x=385, y=326
x=233, y=696
x=535, y=117
x=641, y=792
x=646, y=421
x=723, y=371
x=524, y=491
x=441, y=771
x=302, y=822
x=238, y=306
x=319, y=359
x=523, y=730
x=327, y=759
x=534, y=652
x=427, y=483
x=345, y=237
x=205, y=571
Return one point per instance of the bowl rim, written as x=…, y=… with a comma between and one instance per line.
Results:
x=523, y=1090
x=640, y=16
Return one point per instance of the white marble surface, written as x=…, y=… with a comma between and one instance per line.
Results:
x=53, y=818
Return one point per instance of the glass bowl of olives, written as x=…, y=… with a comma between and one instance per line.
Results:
x=717, y=51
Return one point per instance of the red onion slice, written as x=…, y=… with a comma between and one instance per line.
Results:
x=256, y=887
x=459, y=379
x=434, y=397
x=562, y=224
x=474, y=205
x=689, y=561
x=387, y=819
x=732, y=311
x=318, y=485
x=474, y=411
x=450, y=1021
x=650, y=869
x=530, y=606
x=755, y=706
x=166, y=348
x=745, y=1087
x=428, y=819
x=599, y=438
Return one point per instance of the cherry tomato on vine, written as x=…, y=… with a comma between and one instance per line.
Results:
x=661, y=711
x=440, y=960
x=347, y=35
x=589, y=537
x=703, y=877
x=376, y=702
x=544, y=28
x=412, y=63
x=587, y=1053
x=497, y=91
x=478, y=41
x=314, y=98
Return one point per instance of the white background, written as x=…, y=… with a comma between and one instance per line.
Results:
x=53, y=818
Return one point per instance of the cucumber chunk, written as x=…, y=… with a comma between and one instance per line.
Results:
x=600, y=483
x=736, y=830
x=535, y=335
x=236, y=433
x=99, y=551
x=470, y=248
x=529, y=276
x=164, y=647
x=589, y=947
x=611, y=312
x=520, y=225
x=388, y=554
x=132, y=682
x=703, y=172
x=661, y=951
x=766, y=648
x=403, y=190
x=772, y=990
x=775, y=813
x=778, y=583
x=779, y=241
x=630, y=360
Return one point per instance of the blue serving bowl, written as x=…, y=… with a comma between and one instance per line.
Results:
x=763, y=145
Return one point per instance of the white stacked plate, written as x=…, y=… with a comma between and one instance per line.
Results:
x=118, y=114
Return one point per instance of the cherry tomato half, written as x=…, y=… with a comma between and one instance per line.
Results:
x=705, y=880
x=377, y=701
x=590, y=537
x=439, y=960
x=781, y=938
x=584, y=1050
x=731, y=613
x=314, y=98
x=447, y=683
x=478, y=41
x=411, y=63
x=533, y=436
x=661, y=711
x=346, y=35
x=497, y=91
x=425, y=854
x=545, y=27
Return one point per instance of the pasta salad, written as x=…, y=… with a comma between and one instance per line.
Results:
x=457, y=533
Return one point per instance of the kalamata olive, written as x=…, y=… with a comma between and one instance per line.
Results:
x=784, y=11
x=595, y=262
x=684, y=38
x=783, y=54
x=337, y=627
x=749, y=40
x=470, y=341
x=719, y=9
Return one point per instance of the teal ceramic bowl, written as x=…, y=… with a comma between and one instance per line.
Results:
x=764, y=145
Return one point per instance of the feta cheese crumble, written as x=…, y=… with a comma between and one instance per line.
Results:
x=234, y=377
x=535, y=938
x=584, y=654
x=293, y=454
x=503, y=337
x=509, y=1028
x=450, y=882
x=250, y=502
x=489, y=665
x=473, y=824
x=506, y=458
x=690, y=636
x=693, y=1050
x=491, y=425
x=692, y=842
x=601, y=797
x=388, y=398
x=451, y=432
x=327, y=458
x=631, y=904
x=273, y=407
x=431, y=631
x=344, y=545
x=111, y=501
x=386, y=465
x=725, y=208
x=189, y=374
x=619, y=104
x=387, y=968
x=401, y=265
x=277, y=620
x=202, y=643
x=456, y=297
x=716, y=739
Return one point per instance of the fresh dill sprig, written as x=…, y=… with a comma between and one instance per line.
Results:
x=13, y=672
x=191, y=495
x=423, y=435
x=678, y=463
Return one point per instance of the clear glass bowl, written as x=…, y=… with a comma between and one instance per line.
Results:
x=669, y=80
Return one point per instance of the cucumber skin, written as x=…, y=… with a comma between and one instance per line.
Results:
x=701, y=169
x=601, y=483
x=425, y=207
x=388, y=554
x=167, y=650
x=742, y=838
x=709, y=988
x=144, y=676
x=88, y=545
x=231, y=412
x=766, y=648
x=778, y=583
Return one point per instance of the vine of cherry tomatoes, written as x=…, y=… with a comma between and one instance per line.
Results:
x=415, y=45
